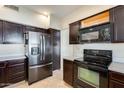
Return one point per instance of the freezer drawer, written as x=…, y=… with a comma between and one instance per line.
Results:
x=39, y=72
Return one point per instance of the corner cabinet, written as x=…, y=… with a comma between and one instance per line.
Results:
x=1, y=32
x=117, y=21
x=12, y=33
x=74, y=32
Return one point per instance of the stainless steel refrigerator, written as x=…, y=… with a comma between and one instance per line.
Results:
x=38, y=51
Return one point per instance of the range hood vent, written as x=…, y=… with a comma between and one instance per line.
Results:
x=12, y=7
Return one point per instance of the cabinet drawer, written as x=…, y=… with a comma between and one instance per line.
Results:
x=14, y=62
x=116, y=76
x=115, y=84
x=19, y=74
x=39, y=72
x=13, y=69
x=15, y=80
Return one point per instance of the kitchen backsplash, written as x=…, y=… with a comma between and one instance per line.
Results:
x=117, y=49
x=11, y=49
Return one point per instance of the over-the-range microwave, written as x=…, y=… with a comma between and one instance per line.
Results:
x=98, y=33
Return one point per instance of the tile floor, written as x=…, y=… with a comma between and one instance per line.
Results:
x=55, y=81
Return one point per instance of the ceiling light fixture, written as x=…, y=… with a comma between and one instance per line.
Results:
x=44, y=14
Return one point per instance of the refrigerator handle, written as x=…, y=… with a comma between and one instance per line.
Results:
x=44, y=45
x=41, y=47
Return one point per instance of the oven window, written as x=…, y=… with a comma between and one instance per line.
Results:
x=89, y=76
x=90, y=35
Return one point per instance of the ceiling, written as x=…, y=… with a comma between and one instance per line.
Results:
x=59, y=11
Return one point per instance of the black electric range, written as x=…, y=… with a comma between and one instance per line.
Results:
x=92, y=69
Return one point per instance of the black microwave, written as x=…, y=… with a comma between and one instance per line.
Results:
x=98, y=33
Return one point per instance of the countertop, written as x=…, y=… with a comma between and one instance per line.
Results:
x=116, y=66
x=79, y=59
x=5, y=58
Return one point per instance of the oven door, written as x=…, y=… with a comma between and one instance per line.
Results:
x=86, y=75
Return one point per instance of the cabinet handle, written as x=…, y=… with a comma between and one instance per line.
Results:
x=78, y=39
x=3, y=66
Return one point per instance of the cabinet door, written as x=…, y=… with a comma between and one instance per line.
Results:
x=13, y=33
x=2, y=74
x=47, y=48
x=68, y=71
x=115, y=84
x=56, y=49
x=1, y=30
x=117, y=20
x=74, y=32
x=15, y=71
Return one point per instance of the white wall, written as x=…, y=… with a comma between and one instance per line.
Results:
x=77, y=50
x=24, y=16
x=54, y=22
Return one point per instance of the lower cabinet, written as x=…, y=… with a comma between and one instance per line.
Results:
x=15, y=71
x=2, y=73
x=12, y=71
x=68, y=71
x=116, y=79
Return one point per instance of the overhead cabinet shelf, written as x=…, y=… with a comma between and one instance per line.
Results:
x=95, y=20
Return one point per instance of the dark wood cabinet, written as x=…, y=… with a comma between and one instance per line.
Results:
x=2, y=73
x=74, y=32
x=12, y=71
x=15, y=71
x=116, y=79
x=48, y=48
x=1, y=32
x=68, y=71
x=117, y=21
x=115, y=84
x=13, y=33
x=56, y=47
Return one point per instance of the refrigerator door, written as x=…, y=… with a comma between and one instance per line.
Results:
x=34, y=48
x=47, y=49
x=39, y=72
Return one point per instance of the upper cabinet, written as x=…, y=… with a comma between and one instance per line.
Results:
x=74, y=32
x=106, y=26
x=80, y=31
x=117, y=20
x=95, y=20
x=1, y=31
x=12, y=33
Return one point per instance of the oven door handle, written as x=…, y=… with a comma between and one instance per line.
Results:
x=97, y=68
